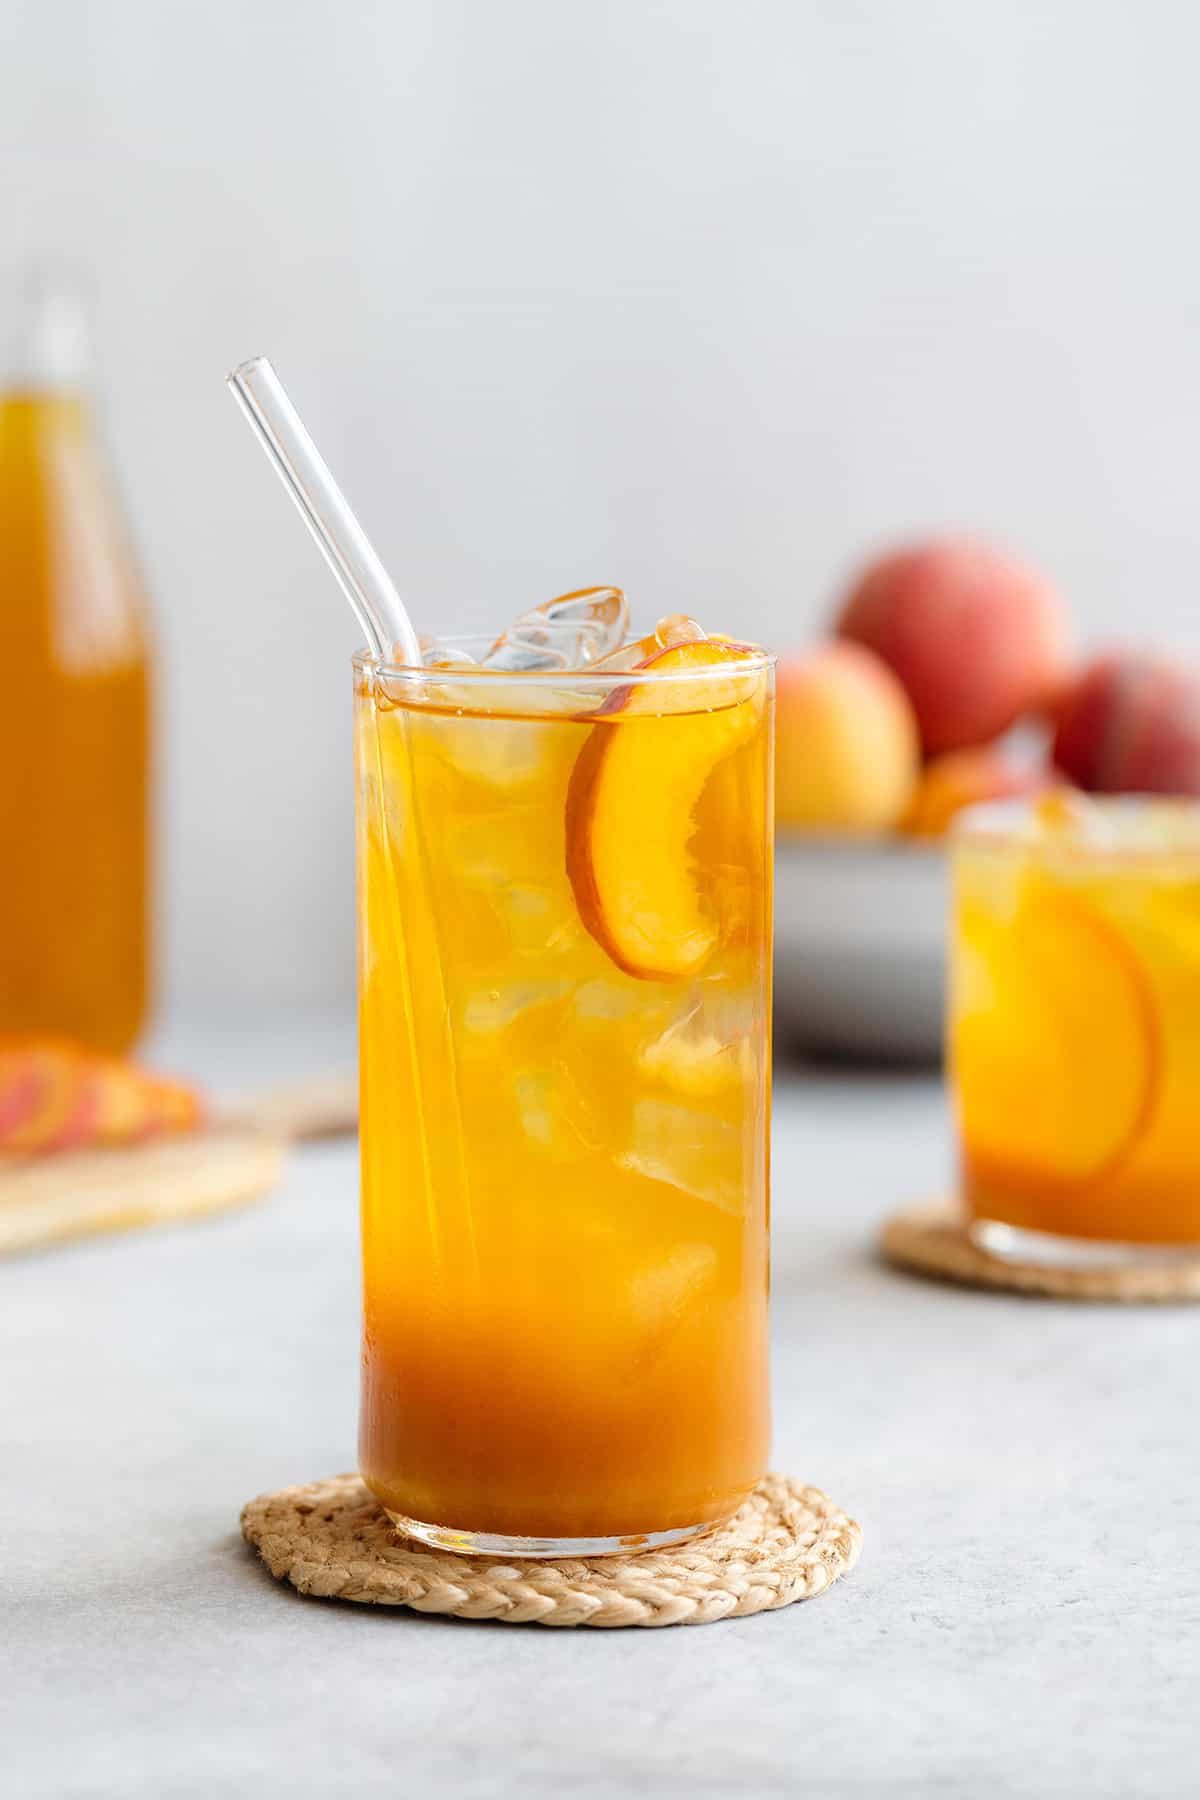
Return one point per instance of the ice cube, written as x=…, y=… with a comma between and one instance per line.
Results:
x=689, y=1150
x=491, y=1011
x=692, y=1059
x=553, y=1113
x=602, y=1000
x=572, y=632
x=530, y=652
x=676, y=628
x=438, y=655
x=542, y=920
x=663, y=1290
x=509, y=755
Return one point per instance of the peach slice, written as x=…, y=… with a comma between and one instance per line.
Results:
x=1055, y=1041
x=125, y=1103
x=20, y=1089
x=174, y=1106
x=59, y=1095
x=631, y=806
x=48, y=1073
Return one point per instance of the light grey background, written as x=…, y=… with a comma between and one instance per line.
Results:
x=706, y=298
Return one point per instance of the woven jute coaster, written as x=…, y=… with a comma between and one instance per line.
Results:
x=933, y=1239
x=331, y=1539
x=46, y=1200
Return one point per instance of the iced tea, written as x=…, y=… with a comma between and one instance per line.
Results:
x=74, y=732
x=565, y=934
x=1075, y=1019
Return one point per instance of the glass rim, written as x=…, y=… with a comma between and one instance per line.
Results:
x=1003, y=825
x=591, y=678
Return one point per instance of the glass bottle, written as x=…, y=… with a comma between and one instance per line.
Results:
x=74, y=713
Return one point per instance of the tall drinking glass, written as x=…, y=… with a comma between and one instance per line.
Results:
x=564, y=976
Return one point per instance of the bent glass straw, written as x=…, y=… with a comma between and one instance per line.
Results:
x=324, y=509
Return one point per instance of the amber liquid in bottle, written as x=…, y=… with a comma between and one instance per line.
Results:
x=74, y=715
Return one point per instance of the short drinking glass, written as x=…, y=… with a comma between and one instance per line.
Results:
x=1074, y=1027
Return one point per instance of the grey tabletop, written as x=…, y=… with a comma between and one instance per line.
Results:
x=1025, y=1618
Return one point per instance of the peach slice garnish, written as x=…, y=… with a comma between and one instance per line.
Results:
x=1055, y=1041
x=631, y=808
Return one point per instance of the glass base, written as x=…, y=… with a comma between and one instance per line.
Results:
x=1012, y=1243
x=541, y=1549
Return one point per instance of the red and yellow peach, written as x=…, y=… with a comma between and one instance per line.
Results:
x=976, y=639
x=846, y=748
x=1131, y=724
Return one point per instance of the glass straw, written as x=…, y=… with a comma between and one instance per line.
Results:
x=324, y=509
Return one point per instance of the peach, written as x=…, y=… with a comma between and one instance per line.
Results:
x=846, y=750
x=958, y=779
x=976, y=639
x=1131, y=724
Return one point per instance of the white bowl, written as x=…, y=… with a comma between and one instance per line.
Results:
x=860, y=946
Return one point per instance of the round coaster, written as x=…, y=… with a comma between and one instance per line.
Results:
x=331, y=1539
x=45, y=1200
x=318, y=1106
x=932, y=1239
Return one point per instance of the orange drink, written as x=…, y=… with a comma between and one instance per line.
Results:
x=74, y=728
x=565, y=936
x=1074, y=1024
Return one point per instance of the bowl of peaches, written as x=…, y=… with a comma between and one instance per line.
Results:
x=947, y=681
